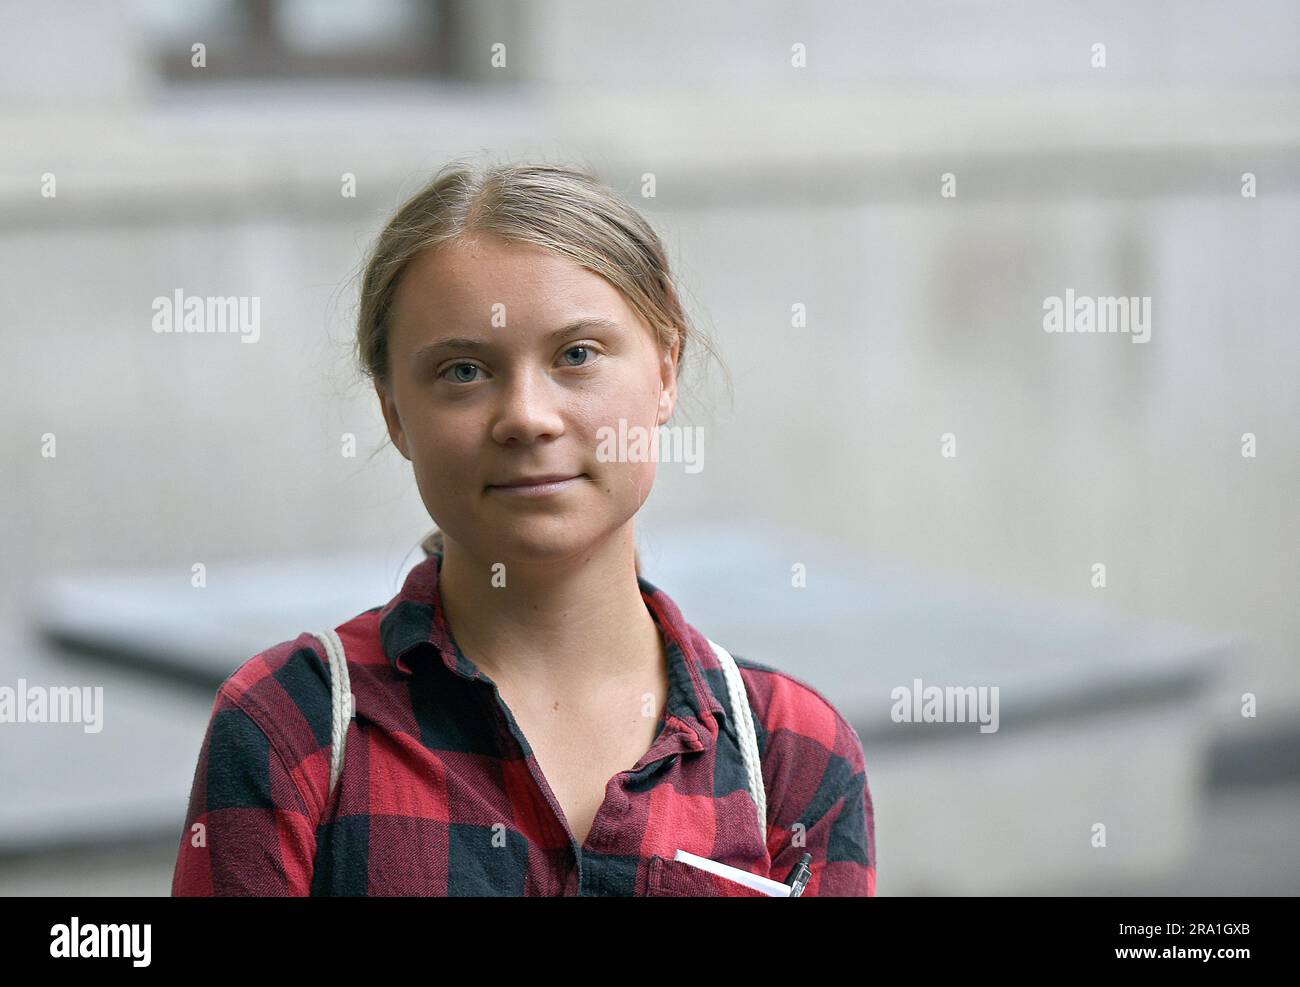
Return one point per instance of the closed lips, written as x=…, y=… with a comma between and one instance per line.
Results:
x=533, y=481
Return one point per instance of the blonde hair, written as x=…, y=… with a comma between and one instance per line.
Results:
x=566, y=210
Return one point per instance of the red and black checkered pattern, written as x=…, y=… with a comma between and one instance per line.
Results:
x=441, y=795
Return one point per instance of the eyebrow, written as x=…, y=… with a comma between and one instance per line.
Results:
x=568, y=329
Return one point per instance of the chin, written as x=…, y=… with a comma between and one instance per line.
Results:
x=539, y=546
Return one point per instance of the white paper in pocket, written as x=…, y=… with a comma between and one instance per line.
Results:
x=774, y=889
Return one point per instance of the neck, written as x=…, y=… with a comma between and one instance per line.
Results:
x=577, y=625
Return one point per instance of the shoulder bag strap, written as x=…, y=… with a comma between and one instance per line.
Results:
x=341, y=701
x=744, y=721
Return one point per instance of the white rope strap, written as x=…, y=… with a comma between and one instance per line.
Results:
x=745, y=731
x=341, y=704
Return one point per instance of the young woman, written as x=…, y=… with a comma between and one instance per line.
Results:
x=529, y=715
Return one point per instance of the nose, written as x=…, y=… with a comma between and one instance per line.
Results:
x=529, y=409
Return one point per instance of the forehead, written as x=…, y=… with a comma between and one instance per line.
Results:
x=458, y=285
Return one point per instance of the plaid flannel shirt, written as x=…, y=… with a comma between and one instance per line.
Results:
x=440, y=793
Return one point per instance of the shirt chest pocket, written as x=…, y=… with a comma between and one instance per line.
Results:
x=678, y=879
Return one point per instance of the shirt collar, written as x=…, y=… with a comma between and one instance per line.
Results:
x=413, y=628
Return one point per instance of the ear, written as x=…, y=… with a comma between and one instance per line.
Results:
x=668, y=380
x=389, y=407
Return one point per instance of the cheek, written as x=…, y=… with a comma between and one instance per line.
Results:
x=452, y=432
x=446, y=456
x=626, y=407
x=632, y=398
x=624, y=471
x=624, y=486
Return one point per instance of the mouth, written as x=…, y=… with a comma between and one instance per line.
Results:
x=537, y=486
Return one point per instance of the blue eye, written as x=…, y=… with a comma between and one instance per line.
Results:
x=456, y=366
x=580, y=349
